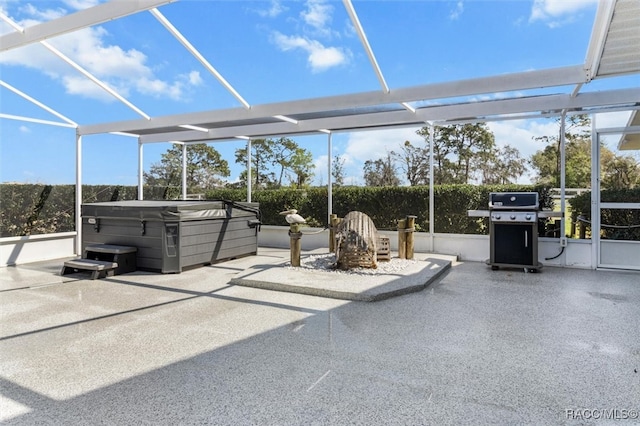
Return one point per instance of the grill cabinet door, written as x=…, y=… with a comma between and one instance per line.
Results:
x=513, y=244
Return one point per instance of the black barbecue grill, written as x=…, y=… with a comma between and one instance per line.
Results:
x=513, y=230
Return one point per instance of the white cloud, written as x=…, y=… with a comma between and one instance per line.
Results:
x=158, y=88
x=612, y=119
x=372, y=145
x=320, y=168
x=123, y=70
x=25, y=129
x=41, y=15
x=520, y=134
x=320, y=58
x=103, y=60
x=494, y=96
x=558, y=12
x=275, y=9
x=194, y=78
x=320, y=162
x=318, y=16
x=82, y=86
x=81, y=4
x=455, y=13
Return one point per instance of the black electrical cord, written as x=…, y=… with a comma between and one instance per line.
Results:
x=556, y=256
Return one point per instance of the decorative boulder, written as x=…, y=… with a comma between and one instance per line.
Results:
x=356, y=242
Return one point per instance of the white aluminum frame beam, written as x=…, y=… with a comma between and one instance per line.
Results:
x=140, y=170
x=479, y=111
x=329, y=178
x=503, y=83
x=615, y=130
x=259, y=131
x=563, y=179
x=78, y=200
x=76, y=21
x=37, y=103
x=365, y=43
x=183, y=40
x=36, y=120
x=249, y=160
x=184, y=171
x=598, y=39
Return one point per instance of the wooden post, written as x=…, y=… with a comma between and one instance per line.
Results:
x=294, y=241
x=411, y=223
x=402, y=239
x=333, y=223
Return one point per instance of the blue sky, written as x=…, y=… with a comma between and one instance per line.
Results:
x=269, y=51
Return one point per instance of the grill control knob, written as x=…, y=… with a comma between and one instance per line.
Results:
x=528, y=217
x=496, y=216
x=513, y=217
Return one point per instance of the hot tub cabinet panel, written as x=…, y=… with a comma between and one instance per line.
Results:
x=172, y=236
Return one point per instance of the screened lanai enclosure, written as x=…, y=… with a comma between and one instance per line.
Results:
x=35, y=91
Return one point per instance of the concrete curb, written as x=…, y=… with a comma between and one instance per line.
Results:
x=281, y=277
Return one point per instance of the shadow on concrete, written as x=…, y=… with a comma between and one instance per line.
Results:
x=477, y=347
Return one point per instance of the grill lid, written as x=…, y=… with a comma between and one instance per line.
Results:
x=513, y=201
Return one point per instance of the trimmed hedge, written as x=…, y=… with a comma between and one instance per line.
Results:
x=385, y=205
x=37, y=209
x=28, y=209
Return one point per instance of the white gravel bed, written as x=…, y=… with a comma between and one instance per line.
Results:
x=326, y=263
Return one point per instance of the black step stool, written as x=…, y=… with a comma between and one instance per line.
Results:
x=103, y=260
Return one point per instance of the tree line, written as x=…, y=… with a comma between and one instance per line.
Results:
x=462, y=154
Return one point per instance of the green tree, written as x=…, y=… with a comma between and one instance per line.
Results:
x=261, y=161
x=457, y=149
x=500, y=166
x=621, y=172
x=284, y=150
x=205, y=168
x=301, y=166
x=577, y=155
x=337, y=170
x=381, y=172
x=414, y=162
x=293, y=161
x=616, y=171
x=284, y=156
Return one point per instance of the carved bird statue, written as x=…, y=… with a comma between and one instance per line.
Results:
x=292, y=216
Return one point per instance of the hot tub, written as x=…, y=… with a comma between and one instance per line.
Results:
x=174, y=235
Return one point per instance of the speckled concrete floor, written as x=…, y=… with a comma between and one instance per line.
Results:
x=477, y=347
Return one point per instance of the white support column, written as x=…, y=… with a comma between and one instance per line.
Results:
x=329, y=181
x=184, y=171
x=248, y=170
x=78, y=204
x=595, y=194
x=431, y=192
x=140, y=171
x=563, y=176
